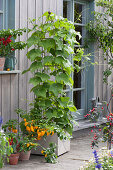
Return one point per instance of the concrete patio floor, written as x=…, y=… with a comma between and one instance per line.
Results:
x=80, y=152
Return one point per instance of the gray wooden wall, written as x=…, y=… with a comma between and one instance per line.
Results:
x=14, y=88
x=102, y=90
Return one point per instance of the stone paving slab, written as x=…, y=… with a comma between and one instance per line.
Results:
x=80, y=152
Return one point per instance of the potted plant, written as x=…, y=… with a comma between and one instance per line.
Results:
x=8, y=46
x=51, y=44
x=24, y=147
x=10, y=128
x=5, y=148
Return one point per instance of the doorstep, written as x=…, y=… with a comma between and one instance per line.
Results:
x=84, y=124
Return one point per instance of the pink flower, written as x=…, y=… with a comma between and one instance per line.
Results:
x=92, y=130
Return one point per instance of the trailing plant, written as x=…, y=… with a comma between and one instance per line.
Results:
x=101, y=31
x=51, y=44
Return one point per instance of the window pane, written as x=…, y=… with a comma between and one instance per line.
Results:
x=77, y=78
x=77, y=13
x=79, y=29
x=77, y=99
x=1, y=21
x=65, y=9
x=1, y=5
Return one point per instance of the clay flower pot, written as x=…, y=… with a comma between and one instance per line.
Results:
x=13, y=158
x=24, y=156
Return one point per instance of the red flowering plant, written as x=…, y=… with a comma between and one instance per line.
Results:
x=7, y=41
x=10, y=129
x=106, y=130
x=94, y=114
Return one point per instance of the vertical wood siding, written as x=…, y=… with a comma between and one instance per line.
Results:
x=14, y=88
x=102, y=90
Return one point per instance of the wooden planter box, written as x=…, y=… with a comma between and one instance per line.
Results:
x=63, y=146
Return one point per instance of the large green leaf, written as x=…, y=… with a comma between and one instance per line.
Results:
x=48, y=43
x=35, y=80
x=62, y=77
x=43, y=76
x=47, y=59
x=49, y=113
x=34, y=53
x=32, y=40
x=36, y=65
x=56, y=88
x=40, y=91
x=59, y=60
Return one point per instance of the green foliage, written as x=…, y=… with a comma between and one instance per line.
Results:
x=49, y=153
x=5, y=148
x=51, y=44
x=10, y=129
x=26, y=144
x=101, y=30
x=7, y=41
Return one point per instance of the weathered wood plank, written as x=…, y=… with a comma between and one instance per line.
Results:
x=14, y=95
x=60, y=7
x=53, y=6
x=31, y=15
x=6, y=100
x=46, y=5
x=22, y=57
x=39, y=9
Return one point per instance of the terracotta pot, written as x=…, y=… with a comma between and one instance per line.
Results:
x=24, y=156
x=2, y=62
x=13, y=158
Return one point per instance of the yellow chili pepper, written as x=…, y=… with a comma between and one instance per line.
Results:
x=32, y=129
x=48, y=133
x=28, y=128
x=42, y=133
x=28, y=145
x=45, y=155
x=42, y=151
x=52, y=133
x=26, y=123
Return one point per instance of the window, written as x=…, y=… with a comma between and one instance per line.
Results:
x=1, y=14
x=77, y=11
x=7, y=20
x=7, y=14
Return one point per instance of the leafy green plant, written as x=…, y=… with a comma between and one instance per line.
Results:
x=7, y=41
x=49, y=153
x=101, y=30
x=10, y=129
x=51, y=44
x=26, y=144
x=5, y=148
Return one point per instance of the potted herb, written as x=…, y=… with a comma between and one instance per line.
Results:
x=10, y=128
x=25, y=145
x=8, y=46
